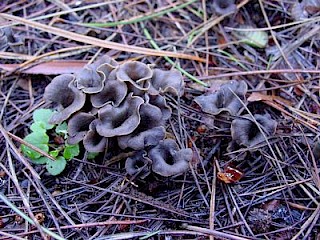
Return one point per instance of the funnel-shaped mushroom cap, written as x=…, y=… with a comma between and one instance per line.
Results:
x=78, y=127
x=224, y=6
x=122, y=120
x=92, y=77
x=138, y=164
x=168, y=160
x=61, y=90
x=149, y=132
x=136, y=73
x=225, y=99
x=160, y=102
x=92, y=141
x=167, y=81
x=245, y=131
x=113, y=92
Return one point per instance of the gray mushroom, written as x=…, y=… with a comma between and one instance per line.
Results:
x=222, y=7
x=168, y=160
x=245, y=132
x=167, y=81
x=149, y=131
x=138, y=164
x=225, y=99
x=78, y=127
x=113, y=92
x=135, y=73
x=160, y=102
x=61, y=90
x=92, y=141
x=122, y=120
x=92, y=77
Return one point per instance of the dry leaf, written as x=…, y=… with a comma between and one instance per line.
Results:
x=230, y=175
x=49, y=68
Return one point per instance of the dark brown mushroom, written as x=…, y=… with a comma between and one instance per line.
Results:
x=92, y=77
x=113, y=92
x=61, y=90
x=168, y=160
x=222, y=7
x=245, y=132
x=225, y=99
x=149, y=131
x=167, y=81
x=78, y=127
x=136, y=74
x=138, y=164
x=122, y=120
x=160, y=102
x=92, y=141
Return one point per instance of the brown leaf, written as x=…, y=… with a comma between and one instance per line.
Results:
x=49, y=68
x=230, y=175
x=255, y=97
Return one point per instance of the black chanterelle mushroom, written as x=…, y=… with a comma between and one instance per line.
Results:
x=168, y=160
x=138, y=164
x=225, y=99
x=92, y=141
x=122, y=120
x=92, y=77
x=245, y=132
x=78, y=126
x=222, y=7
x=62, y=90
x=149, y=131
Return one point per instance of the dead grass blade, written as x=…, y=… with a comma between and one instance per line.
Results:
x=98, y=42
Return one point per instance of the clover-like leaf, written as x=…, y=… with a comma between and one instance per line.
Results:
x=38, y=139
x=71, y=151
x=43, y=115
x=38, y=127
x=40, y=161
x=56, y=167
x=62, y=129
x=54, y=153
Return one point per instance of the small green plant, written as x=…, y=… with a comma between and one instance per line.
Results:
x=41, y=129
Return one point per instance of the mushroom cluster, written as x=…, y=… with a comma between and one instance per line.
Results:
x=124, y=102
x=246, y=130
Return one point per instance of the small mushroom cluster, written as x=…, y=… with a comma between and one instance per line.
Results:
x=107, y=100
x=246, y=130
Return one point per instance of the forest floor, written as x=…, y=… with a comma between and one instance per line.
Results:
x=267, y=191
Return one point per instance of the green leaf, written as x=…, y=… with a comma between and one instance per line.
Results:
x=41, y=160
x=92, y=155
x=56, y=167
x=37, y=139
x=54, y=153
x=62, y=129
x=38, y=127
x=71, y=151
x=43, y=115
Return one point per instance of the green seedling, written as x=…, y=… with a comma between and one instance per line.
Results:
x=62, y=130
x=41, y=131
x=71, y=151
